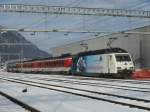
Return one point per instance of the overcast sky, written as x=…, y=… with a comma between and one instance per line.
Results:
x=45, y=41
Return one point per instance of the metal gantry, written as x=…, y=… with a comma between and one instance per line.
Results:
x=68, y=31
x=73, y=10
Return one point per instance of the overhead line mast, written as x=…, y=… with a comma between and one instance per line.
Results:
x=73, y=10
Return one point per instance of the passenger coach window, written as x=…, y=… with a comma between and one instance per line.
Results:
x=123, y=57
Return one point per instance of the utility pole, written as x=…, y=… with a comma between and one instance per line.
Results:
x=85, y=45
x=22, y=55
x=110, y=41
x=0, y=61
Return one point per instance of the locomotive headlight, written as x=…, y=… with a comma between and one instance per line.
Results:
x=131, y=68
x=118, y=68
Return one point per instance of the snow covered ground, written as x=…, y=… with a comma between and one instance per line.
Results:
x=8, y=106
x=54, y=101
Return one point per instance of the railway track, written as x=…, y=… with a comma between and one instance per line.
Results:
x=20, y=106
x=131, y=81
x=97, y=84
x=146, y=82
x=100, y=84
x=101, y=80
x=117, y=99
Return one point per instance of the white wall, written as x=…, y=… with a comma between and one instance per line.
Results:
x=138, y=45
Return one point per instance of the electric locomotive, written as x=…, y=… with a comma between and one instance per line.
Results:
x=113, y=62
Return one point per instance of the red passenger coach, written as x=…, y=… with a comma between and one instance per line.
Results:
x=46, y=65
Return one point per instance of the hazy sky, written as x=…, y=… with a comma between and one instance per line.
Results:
x=45, y=41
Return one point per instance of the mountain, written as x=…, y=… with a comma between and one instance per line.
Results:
x=14, y=46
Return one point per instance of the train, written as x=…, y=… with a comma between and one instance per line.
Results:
x=109, y=62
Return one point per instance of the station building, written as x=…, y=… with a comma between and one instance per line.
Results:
x=137, y=44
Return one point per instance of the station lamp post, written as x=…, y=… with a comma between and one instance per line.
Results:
x=110, y=41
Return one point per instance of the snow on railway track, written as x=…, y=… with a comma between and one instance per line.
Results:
x=89, y=91
x=9, y=103
x=131, y=81
x=104, y=83
x=6, y=105
x=71, y=77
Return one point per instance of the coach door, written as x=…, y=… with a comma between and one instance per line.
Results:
x=110, y=64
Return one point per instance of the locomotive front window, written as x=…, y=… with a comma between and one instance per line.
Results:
x=120, y=57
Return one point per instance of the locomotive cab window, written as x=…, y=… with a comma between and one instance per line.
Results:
x=123, y=57
x=100, y=58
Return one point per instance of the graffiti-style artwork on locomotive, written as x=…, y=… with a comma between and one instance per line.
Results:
x=90, y=64
x=81, y=64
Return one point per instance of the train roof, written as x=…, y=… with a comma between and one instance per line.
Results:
x=40, y=59
x=103, y=51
